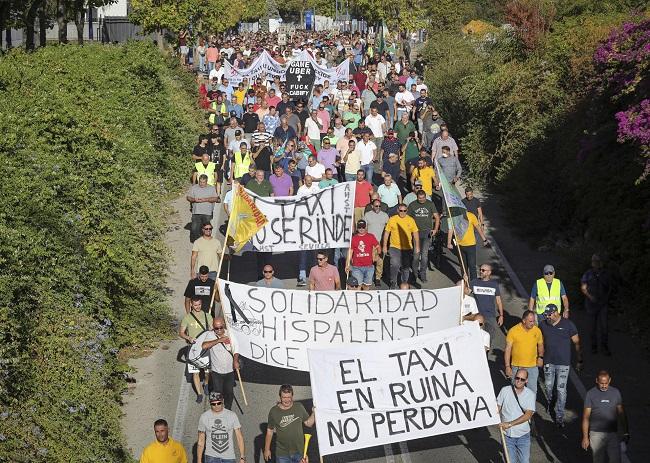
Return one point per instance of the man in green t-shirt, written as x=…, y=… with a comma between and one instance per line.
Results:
x=427, y=219
x=286, y=420
x=192, y=325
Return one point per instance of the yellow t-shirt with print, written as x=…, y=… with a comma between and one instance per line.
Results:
x=401, y=231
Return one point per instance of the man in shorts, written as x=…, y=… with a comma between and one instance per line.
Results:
x=364, y=251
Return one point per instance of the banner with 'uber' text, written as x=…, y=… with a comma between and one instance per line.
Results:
x=369, y=395
x=277, y=326
x=322, y=220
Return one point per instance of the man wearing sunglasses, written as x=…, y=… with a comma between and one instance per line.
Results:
x=206, y=251
x=217, y=426
x=516, y=405
x=224, y=360
x=548, y=290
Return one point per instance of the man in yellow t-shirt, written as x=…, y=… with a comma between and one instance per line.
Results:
x=206, y=251
x=426, y=175
x=467, y=244
x=404, y=239
x=525, y=349
x=164, y=449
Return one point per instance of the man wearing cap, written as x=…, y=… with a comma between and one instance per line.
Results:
x=164, y=449
x=548, y=290
x=218, y=426
x=202, y=198
x=427, y=219
x=352, y=284
x=524, y=349
x=364, y=251
x=404, y=240
x=558, y=333
x=596, y=286
x=192, y=325
x=376, y=220
x=201, y=287
x=224, y=360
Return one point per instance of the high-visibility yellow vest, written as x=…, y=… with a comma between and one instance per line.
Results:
x=241, y=165
x=546, y=296
x=221, y=110
x=207, y=170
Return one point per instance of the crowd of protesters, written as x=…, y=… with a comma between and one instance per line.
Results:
x=379, y=128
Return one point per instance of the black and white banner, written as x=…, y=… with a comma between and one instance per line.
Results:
x=374, y=394
x=322, y=220
x=277, y=326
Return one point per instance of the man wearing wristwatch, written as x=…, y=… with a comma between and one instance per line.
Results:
x=558, y=333
x=216, y=428
x=525, y=349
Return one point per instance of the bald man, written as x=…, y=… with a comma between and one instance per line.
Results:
x=224, y=360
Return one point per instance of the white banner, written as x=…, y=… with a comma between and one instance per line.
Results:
x=277, y=326
x=375, y=394
x=322, y=220
x=265, y=64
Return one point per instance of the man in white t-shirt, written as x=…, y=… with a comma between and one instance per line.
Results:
x=368, y=150
x=403, y=102
x=313, y=126
x=315, y=169
x=377, y=123
x=224, y=360
x=308, y=187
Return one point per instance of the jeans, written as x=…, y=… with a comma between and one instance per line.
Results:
x=350, y=177
x=201, y=63
x=369, y=171
x=224, y=384
x=198, y=220
x=491, y=326
x=518, y=448
x=598, y=316
x=209, y=459
x=210, y=65
x=421, y=259
x=469, y=256
x=293, y=458
x=305, y=258
x=533, y=374
x=556, y=375
x=363, y=274
x=400, y=262
x=605, y=447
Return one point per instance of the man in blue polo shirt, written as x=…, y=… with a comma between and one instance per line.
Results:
x=558, y=333
x=488, y=299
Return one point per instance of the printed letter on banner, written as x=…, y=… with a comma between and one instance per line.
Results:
x=322, y=220
x=277, y=326
x=375, y=394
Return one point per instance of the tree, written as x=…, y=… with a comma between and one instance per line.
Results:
x=531, y=19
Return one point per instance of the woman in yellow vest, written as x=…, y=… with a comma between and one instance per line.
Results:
x=206, y=167
x=548, y=290
x=242, y=159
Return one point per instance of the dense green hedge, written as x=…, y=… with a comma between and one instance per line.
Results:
x=93, y=139
x=539, y=126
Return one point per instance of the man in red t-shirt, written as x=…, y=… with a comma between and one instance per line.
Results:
x=363, y=253
x=361, y=195
x=323, y=276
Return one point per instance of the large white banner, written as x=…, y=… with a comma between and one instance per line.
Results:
x=277, y=326
x=374, y=394
x=322, y=220
x=264, y=64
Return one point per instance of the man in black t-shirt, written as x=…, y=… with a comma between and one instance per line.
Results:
x=202, y=287
x=382, y=106
x=200, y=149
x=250, y=120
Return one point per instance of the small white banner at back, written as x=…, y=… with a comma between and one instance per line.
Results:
x=277, y=326
x=322, y=220
x=374, y=394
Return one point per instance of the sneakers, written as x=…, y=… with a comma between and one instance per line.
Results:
x=301, y=283
x=199, y=399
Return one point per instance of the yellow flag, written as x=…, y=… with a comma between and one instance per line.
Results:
x=245, y=218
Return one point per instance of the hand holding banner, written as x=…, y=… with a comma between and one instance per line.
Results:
x=374, y=394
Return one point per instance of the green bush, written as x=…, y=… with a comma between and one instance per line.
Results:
x=93, y=140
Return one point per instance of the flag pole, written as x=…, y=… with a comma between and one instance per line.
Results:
x=216, y=290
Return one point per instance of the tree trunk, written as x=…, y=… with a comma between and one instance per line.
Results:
x=30, y=20
x=42, y=25
x=4, y=13
x=61, y=21
x=9, y=43
x=79, y=21
x=160, y=39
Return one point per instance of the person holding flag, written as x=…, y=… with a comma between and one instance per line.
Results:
x=464, y=224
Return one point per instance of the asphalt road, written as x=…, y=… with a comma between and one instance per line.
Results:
x=163, y=390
